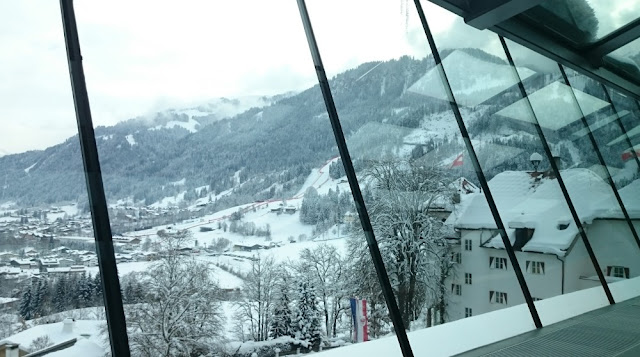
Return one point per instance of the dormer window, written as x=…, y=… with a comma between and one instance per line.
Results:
x=617, y=271
x=523, y=235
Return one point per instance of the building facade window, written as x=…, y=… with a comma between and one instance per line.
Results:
x=534, y=267
x=456, y=257
x=456, y=289
x=467, y=278
x=617, y=271
x=468, y=245
x=498, y=297
x=498, y=263
x=468, y=312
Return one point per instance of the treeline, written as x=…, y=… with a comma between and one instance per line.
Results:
x=324, y=211
x=46, y=296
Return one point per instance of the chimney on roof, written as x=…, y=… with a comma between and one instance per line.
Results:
x=68, y=325
x=12, y=350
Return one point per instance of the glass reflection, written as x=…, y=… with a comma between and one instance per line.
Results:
x=625, y=60
x=590, y=182
x=525, y=189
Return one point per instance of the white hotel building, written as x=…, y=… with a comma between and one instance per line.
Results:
x=546, y=241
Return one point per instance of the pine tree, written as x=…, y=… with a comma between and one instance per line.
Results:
x=25, y=304
x=85, y=291
x=36, y=300
x=43, y=298
x=97, y=286
x=282, y=314
x=307, y=320
x=60, y=295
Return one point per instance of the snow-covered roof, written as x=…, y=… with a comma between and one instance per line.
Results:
x=82, y=347
x=57, y=335
x=524, y=203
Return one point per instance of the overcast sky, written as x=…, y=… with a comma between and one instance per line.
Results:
x=142, y=56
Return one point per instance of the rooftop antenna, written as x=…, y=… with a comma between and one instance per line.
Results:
x=535, y=159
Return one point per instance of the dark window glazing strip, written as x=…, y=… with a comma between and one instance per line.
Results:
x=556, y=171
x=619, y=121
x=596, y=148
x=383, y=278
x=476, y=165
x=99, y=215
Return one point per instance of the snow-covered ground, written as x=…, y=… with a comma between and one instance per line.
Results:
x=225, y=279
x=466, y=334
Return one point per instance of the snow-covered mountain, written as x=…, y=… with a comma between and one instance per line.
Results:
x=257, y=148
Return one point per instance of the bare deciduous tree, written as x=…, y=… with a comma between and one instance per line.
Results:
x=404, y=206
x=259, y=295
x=325, y=267
x=180, y=315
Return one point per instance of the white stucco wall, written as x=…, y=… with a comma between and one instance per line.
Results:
x=611, y=241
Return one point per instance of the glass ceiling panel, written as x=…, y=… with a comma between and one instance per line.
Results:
x=554, y=101
x=583, y=21
x=626, y=59
x=600, y=124
x=473, y=81
x=631, y=133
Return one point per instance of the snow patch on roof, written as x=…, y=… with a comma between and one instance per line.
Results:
x=524, y=202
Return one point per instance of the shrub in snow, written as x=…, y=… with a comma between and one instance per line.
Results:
x=40, y=343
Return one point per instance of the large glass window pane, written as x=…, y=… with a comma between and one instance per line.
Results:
x=512, y=157
x=384, y=130
x=227, y=200
x=413, y=166
x=560, y=110
x=47, y=259
x=610, y=133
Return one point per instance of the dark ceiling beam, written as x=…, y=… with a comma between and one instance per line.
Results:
x=493, y=12
x=547, y=46
x=613, y=41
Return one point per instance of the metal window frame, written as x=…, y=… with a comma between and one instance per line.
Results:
x=116, y=323
x=478, y=169
x=619, y=120
x=596, y=148
x=492, y=12
x=383, y=278
x=613, y=41
x=556, y=171
x=580, y=60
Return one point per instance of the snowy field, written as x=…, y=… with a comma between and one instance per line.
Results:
x=225, y=279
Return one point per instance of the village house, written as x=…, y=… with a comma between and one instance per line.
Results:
x=545, y=238
x=248, y=248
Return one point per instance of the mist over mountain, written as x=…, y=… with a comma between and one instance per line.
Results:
x=264, y=147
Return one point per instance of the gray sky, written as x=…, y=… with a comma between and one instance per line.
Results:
x=142, y=56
